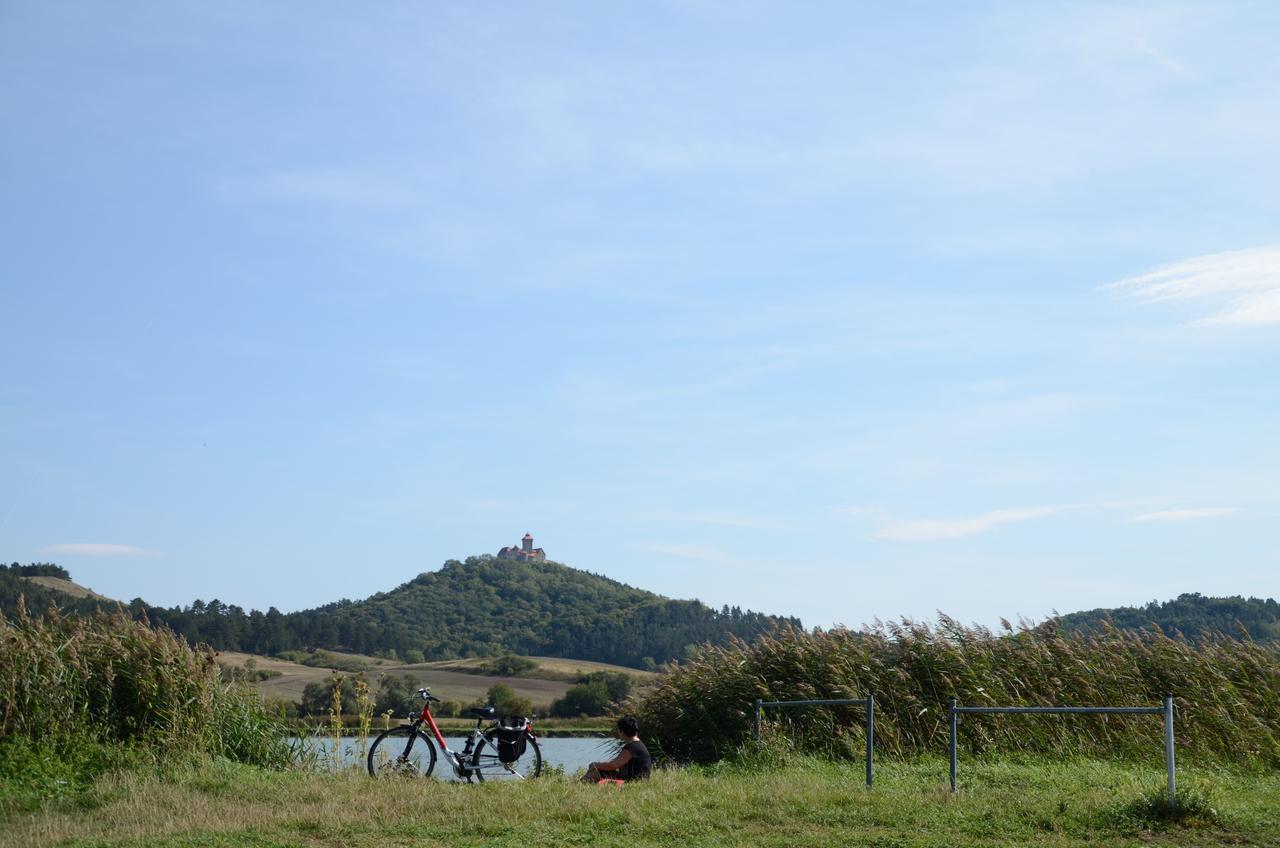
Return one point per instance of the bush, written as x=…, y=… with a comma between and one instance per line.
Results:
x=505, y=700
x=617, y=683
x=585, y=699
x=248, y=673
x=509, y=666
x=326, y=659
x=1228, y=704
x=398, y=694
x=1152, y=809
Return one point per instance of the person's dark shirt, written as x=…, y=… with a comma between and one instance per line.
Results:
x=640, y=764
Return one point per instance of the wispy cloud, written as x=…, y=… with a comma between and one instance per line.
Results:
x=1239, y=287
x=93, y=549
x=1184, y=514
x=934, y=529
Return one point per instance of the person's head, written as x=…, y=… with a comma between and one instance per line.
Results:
x=628, y=727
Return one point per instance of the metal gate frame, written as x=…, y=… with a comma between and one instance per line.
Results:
x=1165, y=710
x=869, y=702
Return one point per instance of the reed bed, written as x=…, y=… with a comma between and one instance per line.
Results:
x=76, y=681
x=1227, y=692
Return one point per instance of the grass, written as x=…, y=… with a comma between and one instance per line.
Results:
x=803, y=803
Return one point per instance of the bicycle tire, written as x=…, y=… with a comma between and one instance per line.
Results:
x=422, y=755
x=485, y=764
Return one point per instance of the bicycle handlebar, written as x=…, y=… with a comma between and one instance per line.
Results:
x=426, y=695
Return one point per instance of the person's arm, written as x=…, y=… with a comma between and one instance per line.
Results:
x=624, y=757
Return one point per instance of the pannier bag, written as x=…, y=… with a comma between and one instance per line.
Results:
x=511, y=738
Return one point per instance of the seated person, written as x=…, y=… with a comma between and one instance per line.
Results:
x=633, y=761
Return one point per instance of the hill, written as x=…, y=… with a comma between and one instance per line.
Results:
x=1193, y=615
x=484, y=606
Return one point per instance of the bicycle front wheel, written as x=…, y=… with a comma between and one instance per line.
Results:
x=402, y=752
x=486, y=765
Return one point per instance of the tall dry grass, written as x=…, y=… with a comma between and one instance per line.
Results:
x=1227, y=693
x=105, y=679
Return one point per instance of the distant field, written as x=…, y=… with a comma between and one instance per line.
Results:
x=75, y=590
x=556, y=665
x=449, y=679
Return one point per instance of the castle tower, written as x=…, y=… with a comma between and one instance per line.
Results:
x=526, y=544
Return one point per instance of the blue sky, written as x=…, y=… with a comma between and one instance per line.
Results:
x=820, y=309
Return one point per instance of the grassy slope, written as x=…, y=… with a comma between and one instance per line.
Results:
x=68, y=587
x=806, y=804
x=449, y=679
x=555, y=665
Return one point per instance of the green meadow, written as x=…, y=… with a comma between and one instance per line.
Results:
x=803, y=802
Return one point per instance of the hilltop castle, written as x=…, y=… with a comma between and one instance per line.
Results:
x=525, y=553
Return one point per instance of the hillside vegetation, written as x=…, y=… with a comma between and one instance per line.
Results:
x=1193, y=615
x=484, y=606
x=1227, y=693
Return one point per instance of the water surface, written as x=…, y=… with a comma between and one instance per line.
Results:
x=569, y=753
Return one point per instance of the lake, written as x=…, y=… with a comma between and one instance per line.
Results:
x=569, y=753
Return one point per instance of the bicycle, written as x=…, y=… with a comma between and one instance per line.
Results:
x=506, y=749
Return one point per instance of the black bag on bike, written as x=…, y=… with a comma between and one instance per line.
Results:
x=512, y=740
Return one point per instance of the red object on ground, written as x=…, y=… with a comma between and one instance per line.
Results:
x=609, y=781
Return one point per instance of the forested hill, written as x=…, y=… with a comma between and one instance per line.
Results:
x=1193, y=615
x=484, y=605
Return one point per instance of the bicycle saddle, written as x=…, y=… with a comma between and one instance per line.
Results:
x=482, y=712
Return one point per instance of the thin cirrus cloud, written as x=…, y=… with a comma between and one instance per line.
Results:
x=93, y=549
x=1184, y=514
x=935, y=529
x=1236, y=288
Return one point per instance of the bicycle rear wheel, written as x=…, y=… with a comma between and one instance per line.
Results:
x=402, y=752
x=486, y=765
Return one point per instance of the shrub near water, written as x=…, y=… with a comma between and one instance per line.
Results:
x=1227, y=693
x=68, y=683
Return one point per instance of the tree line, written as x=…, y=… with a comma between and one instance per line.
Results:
x=1192, y=615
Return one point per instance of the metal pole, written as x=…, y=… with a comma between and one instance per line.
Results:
x=871, y=738
x=952, y=712
x=758, y=708
x=1168, y=751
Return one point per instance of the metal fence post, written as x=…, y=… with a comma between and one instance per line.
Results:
x=1169, y=766
x=952, y=711
x=871, y=738
x=758, y=709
